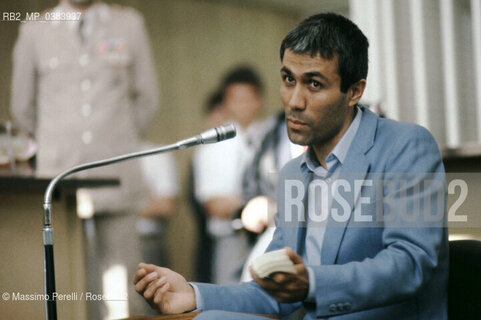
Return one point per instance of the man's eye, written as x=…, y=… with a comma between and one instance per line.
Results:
x=315, y=84
x=288, y=79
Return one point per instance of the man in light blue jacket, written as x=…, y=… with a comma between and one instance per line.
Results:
x=361, y=212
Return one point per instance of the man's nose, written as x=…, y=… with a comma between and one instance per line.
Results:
x=297, y=99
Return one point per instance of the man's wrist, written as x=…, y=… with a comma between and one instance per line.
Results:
x=197, y=302
x=311, y=291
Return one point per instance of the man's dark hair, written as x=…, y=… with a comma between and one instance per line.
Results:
x=213, y=101
x=330, y=34
x=242, y=74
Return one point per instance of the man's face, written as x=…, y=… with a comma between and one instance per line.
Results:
x=317, y=112
x=243, y=102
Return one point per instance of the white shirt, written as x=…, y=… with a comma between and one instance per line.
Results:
x=218, y=167
x=159, y=173
x=218, y=172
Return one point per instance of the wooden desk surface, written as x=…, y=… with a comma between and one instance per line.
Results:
x=182, y=316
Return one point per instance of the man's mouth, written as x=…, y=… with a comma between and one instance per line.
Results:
x=295, y=123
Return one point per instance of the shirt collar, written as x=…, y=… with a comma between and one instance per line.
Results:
x=339, y=152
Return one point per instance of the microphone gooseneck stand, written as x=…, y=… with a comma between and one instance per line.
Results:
x=226, y=131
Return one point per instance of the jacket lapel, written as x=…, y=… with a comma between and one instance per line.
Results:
x=355, y=167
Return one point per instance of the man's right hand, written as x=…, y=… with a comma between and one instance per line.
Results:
x=165, y=290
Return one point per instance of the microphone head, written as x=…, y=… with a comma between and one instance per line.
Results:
x=223, y=132
x=226, y=131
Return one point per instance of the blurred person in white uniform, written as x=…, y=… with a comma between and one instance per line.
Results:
x=215, y=114
x=218, y=170
x=85, y=88
x=160, y=175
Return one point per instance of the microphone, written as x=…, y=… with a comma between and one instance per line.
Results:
x=217, y=134
x=223, y=132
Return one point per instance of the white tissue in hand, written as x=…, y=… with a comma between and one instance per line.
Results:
x=271, y=262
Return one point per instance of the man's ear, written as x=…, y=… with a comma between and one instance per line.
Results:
x=355, y=91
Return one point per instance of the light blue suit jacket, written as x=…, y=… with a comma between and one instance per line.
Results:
x=391, y=268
